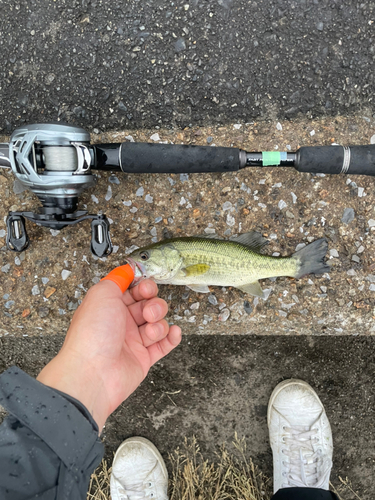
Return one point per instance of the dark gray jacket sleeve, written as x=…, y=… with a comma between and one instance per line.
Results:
x=49, y=445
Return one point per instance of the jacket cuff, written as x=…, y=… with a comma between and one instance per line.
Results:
x=59, y=420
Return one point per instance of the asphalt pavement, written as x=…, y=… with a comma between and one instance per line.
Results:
x=108, y=64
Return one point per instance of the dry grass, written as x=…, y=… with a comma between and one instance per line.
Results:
x=232, y=476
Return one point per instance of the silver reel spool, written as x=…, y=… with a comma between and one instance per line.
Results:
x=52, y=160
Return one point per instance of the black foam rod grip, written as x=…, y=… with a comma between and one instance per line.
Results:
x=355, y=160
x=138, y=157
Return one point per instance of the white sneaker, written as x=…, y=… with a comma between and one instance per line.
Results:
x=300, y=437
x=138, y=472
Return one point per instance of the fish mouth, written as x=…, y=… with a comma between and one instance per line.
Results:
x=139, y=271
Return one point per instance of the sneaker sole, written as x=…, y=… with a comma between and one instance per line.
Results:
x=151, y=447
x=281, y=386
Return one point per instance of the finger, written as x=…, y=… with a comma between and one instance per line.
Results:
x=163, y=347
x=154, y=332
x=148, y=311
x=145, y=290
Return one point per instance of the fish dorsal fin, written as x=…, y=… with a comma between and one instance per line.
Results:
x=252, y=239
x=196, y=269
x=252, y=289
x=209, y=236
x=199, y=288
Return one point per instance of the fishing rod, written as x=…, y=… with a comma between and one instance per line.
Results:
x=57, y=162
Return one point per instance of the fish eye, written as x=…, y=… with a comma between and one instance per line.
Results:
x=144, y=256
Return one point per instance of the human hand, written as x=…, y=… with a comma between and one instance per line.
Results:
x=112, y=342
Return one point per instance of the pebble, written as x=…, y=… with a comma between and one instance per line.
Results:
x=18, y=187
x=94, y=199
x=191, y=319
x=45, y=281
x=222, y=305
x=62, y=312
x=43, y=312
x=323, y=289
x=282, y=313
x=289, y=214
x=371, y=223
x=361, y=249
x=158, y=219
x=372, y=288
x=17, y=261
x=127, y=203
x=351, y=272
x=282, y=204
x=209, y=139
x=237, y=126
x=210, y=230
x=212, y=300
x=371, y=278
x=230, y=220
x=108, y=195
x=55, y=232
x=227, y=205
x=153, y=231
x=6, y=296
x=9, y=304
x=355, y=258
x=35, y=290
x=195, y=306
x=294, y=198
x=65, y=274
x=361, y=192
x=334, y=253
x=279, y=126
x=140, y=191
x=155, y=137
x=300, y=246
x=184, y=177
x=114, y=180
x=224, y=315
x=247, y=307
x=2, y=233
x=372, y=140
x=149, y=198
x=266, y=293
x=6, y=268
x=180, y=45
x=95, y=279
x=348, y=216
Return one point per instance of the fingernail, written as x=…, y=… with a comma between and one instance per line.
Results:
x=155, y=311
x=157, y=330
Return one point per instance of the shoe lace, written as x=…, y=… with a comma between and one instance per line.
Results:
x=141, y=490
x=305, y=466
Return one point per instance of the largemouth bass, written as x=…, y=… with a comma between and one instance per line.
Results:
x=198, y=262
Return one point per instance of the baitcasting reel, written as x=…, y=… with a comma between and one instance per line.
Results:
x=53, y=161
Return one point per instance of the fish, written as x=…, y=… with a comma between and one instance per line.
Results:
x=202, y=261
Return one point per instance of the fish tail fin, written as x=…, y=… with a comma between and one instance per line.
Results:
x=311, y=258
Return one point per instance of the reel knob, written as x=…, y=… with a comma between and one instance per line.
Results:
x=17, y=239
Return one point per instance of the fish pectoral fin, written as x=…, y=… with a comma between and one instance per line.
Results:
x=199, y=288
x=196, y=269
x=252, y=239
x=252, y=289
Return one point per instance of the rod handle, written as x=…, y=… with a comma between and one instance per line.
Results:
x=143, y=157
x=355, y=160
